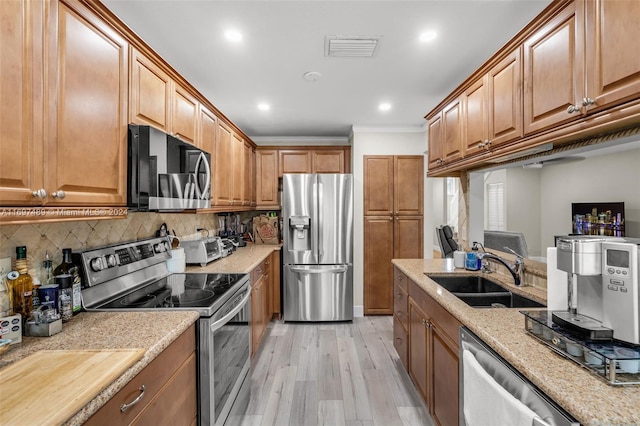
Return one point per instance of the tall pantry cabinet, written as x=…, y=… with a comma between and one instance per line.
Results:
x=393, y=223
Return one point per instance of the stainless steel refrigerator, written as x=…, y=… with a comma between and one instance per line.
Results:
x=318, y=247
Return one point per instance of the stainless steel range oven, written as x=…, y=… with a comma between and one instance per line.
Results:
x=134, y=276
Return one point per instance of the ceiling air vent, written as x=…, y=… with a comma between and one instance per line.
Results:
x=350, y=46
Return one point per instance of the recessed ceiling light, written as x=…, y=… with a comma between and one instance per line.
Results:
x=385, y=106
x=428, y=36
x=233, y=35
x=263, y=107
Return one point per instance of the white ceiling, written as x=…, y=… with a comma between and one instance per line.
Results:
x=282, y=40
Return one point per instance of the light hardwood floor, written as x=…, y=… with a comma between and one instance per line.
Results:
x=332, y=374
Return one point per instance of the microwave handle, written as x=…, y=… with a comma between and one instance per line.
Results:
x=202, y=158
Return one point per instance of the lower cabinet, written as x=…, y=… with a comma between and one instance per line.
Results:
x=265, y=297
x=166, y=388
x=430, y=350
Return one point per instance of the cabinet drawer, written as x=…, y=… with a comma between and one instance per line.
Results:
x=399, y=278
x=400, y=305
x=400, y=340
x=154, y=376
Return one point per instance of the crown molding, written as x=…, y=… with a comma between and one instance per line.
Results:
x=300, y=140
x=390, y=129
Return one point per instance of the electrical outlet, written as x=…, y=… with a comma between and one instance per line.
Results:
x=5, y=266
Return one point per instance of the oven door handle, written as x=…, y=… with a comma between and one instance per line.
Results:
x=222, y=321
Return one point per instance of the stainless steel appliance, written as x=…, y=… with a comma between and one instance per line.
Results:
x=165, y=173
x=601, y=275
x=318, y=247
x=487, y=380
x=134, y=276
x=202, y=251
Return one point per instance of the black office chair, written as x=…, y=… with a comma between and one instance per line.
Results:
x=445, y=238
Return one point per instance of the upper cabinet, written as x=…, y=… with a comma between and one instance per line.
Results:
x=267, y=178
x=157, y=100
x=569, y=75
x=314, y=160
x=612, y=46
x=554, y=71
x=67, y=133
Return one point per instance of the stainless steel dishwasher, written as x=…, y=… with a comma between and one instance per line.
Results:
x=492, y=388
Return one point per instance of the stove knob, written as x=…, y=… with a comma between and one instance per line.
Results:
x=160, y=247
x=111, y=260
x=96, y=264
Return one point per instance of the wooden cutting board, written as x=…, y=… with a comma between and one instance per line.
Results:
x=49, y=387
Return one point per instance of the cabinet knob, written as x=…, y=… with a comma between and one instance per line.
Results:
x=487, y=143
x=58, y=194
x=390, y=218
x=40, y=193
x=588, y=101
x=572, y=109
x=399, y=294
x=398, y=339
x=481, y=145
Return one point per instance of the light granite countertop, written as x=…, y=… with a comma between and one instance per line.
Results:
x=243, y=260
x=590, y=400
x=151, y=331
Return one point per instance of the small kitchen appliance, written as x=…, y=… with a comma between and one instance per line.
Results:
x=165, y=173
x=133, y=276
x=202, y=251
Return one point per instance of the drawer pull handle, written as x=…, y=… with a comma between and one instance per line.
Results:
x=125, y=407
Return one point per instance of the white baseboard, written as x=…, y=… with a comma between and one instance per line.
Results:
x=358, y=311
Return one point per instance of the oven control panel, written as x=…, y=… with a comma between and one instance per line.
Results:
x=107, y=263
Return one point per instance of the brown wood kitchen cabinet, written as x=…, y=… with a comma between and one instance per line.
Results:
x=445, y=135
x=237, y=169
x=159, y=101
x=53, y=98
x=222, y=167
x=267, y=179
x=265, y=297
x=433, y=353
x=401, y=315
x=393, y=223
x=318, y=159
x=170, y=394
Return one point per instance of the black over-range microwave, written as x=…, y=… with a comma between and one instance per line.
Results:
x=165, y=173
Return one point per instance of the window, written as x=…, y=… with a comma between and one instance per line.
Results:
x=495, y=207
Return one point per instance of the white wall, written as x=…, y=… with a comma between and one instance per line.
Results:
x=372, y=142
x=607, y=178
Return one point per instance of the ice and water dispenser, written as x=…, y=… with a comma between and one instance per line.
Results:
x=300, y=233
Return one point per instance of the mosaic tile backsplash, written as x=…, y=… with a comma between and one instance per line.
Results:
x=81, y=235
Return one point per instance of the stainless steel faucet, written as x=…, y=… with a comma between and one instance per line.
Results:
x=516, y=268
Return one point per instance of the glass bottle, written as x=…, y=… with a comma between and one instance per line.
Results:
x=22, y=284
x=65, y=281
x=68, y=268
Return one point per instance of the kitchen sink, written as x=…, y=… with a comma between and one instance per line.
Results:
x=481, y=292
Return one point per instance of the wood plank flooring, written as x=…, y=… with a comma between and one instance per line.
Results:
x=332, y=374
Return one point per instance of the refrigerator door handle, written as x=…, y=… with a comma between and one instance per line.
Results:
x=320, y=221
x=319, y=271
x=315, y=224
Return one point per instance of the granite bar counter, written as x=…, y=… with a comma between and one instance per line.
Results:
x=590, y=400
x=151, y=331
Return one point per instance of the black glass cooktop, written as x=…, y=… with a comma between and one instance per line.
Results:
x=203, y=292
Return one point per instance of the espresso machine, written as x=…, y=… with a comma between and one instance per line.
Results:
x=599, y=299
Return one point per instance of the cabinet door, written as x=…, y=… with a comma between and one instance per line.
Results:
x=237, y=169
x=452, y=130
x=149, y=99
x=378, y=185
x=327, y=161
x=256, y=304
x=294, y=161
x=87, y=88
x=21, y=100
x=407, y=237
x=408, y=184
x=612, y=46
x=445, y=379
x=221, y=188
x=554, y=71
x=267, y=177
x=505, y=100
x=475, y=119
x=248, y=183
x=400, y=341
x=378, y=273
x=275, y=282
x=184, y=124
x=419, y=348
x=436, y=143
x=207, y=131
